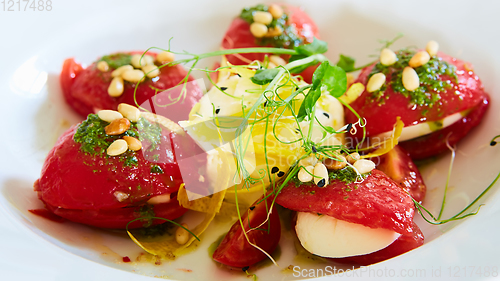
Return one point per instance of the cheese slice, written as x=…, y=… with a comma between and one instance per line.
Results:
x=327, y=236
x=425, y=128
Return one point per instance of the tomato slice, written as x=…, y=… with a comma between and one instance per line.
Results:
x=238, y=35
x=86, y=89
x=377, y=202
x=89, y=188
x=402, y=245
x=464, y=93
x=234, y=250
x=397, y=164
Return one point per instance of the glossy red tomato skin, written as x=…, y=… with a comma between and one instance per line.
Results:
x=402, y=245
x=235, y=251
x=435, y=143
x=81, y=187
x=398, y=165
x=381, y=117
x=238, y=35
x=377, y=202
x=88, y=90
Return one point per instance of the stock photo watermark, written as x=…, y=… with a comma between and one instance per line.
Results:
x=417, y=273
x=26, y=5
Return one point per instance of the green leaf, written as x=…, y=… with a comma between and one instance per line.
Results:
x=346, y=63
x=309, y=101
x=326, y=77
x=264, y=76
x=331, y=77
x=316, y=47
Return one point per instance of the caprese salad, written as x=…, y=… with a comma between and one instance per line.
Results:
x=272, y=133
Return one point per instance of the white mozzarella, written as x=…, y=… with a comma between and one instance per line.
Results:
x=327, y=236
x=422, y=129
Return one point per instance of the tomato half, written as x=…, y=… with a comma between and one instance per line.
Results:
x=86, y=89
x=398, y=165
x=234, y=250
x=458, y=94
x=238, y=35
x=377, y=202
x=109, y=191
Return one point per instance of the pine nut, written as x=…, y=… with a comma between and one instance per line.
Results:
x=133, y=143
x=354, y=91
x=274, y=31
x=353, y=157
x=119, y=71
x=182, y=235
x=334, y=164
x=165, y=57
x=375, y=82
x=116, y=87
x=277, y=60
x=276, y=11
x=133, y=76
x=151, y=70
x=139, y=61
x=159, y=199
x=258, y=29
x=130, y=112
x=117, y=127
x=271, y=65
x=310, y=160
x=432, y=48
x=305, y=174
x=364, y=166
x=102, y=66
x=419, y=59
x=410, y=79
x=120, y=196
x=387, y=57
x=320, y=175
x=117, y=147
x=109, y=115
x=262, y=17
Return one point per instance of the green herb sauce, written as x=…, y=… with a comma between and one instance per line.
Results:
x=427, y=94
x=156, y=169
x=288, y=39
x=116, y=60
x=94, y=140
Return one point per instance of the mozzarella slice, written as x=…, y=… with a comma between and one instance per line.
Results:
x=422, y=129
x=327, y=236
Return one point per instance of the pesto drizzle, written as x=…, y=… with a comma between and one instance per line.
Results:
x=427, y=94
x=94, y=140
x=117, y=60
x=287, y=39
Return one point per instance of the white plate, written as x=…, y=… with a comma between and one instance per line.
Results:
x=35, y=43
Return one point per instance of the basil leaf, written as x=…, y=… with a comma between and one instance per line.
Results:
x=346, y=63
x=264, y=76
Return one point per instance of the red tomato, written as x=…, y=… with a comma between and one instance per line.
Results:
x=398, y=165
x=466, y=93
x=377, y=202
x=86, y=89
x=402, y=245
x=234, y=250
x=239, y=36
x=83, y=187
